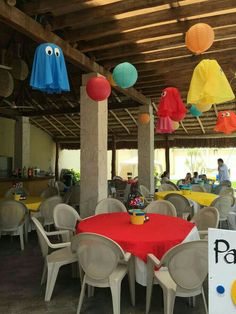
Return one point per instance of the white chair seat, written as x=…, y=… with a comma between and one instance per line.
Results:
x=63, y=255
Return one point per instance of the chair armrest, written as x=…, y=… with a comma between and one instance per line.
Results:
x=154, y=260
x=59, y=245
x=52, y=233
x=127, y=256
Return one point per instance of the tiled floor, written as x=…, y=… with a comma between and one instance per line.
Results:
x=21, y=293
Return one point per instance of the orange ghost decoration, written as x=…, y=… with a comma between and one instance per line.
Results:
x=226, y=122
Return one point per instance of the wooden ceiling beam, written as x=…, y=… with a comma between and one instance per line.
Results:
x=103, y=13
x=166, y=14
x=154, y=31
x=41, y=127
x=26, y=25
x=131, y=116
x=120, y=122
x=201, y=125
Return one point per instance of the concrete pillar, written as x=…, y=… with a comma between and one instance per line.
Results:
x=146, y=150
x=22, y=143
x=93, y=145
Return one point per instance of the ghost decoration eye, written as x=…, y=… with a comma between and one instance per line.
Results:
x=223, y=115
x=49, y=50
x=227, y=114
x=163, y=94
x=57, y=52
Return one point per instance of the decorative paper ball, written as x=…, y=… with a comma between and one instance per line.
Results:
x=199, y=38
x=98, y=88
x=175, y=125
x=111, y=81
x=203, y=108
x=125, y=75
x=194, y=111
x=144, y=118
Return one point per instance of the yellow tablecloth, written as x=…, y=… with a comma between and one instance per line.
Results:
x=32, y=202
x=202, y=198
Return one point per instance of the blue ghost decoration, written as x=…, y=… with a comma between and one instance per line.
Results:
x=49, y=72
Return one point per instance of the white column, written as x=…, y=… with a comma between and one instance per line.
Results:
x=146, y=150
x=93, y=147
x=22, y=143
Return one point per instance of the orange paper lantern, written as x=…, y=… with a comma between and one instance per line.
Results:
x=199, y=38
x=110, y=80
x=144, y=118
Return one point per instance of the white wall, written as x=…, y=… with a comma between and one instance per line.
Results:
x=7, y=129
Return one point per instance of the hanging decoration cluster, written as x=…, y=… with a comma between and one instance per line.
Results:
x=49, y=72
x=171, y=109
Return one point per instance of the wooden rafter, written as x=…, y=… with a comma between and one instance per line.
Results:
x=41, y=127
x=201, y=125
x=184, y=128
x=120, y=122
x=131, y=116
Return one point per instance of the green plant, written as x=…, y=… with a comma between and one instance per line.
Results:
x=76, y=175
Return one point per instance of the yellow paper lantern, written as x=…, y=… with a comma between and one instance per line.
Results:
x=144, y=118
x=110, y=80
x=175, y=125
x=199, y=38
x=203, y=107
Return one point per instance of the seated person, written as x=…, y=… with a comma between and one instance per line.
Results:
x=195, y=178
x=165, y=177
x=204, y=178
x=187, y=179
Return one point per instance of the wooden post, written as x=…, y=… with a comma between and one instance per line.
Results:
x=56, y=162
x=113, y=157
x=167, y=155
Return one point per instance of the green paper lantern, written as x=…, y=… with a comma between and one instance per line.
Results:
x=125, y=75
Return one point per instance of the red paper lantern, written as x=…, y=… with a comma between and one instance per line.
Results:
x=144, y=118
x=98, y=88
x=199, y=38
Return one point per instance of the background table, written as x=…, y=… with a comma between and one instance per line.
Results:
x=156, y=236
x=201, y=198
x=32, y=202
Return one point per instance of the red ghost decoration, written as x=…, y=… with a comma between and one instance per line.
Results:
x=164, y=125
x=226, y=122
x=171, y=104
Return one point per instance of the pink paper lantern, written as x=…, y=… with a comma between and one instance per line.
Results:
x=164, y=125
x=98, y=88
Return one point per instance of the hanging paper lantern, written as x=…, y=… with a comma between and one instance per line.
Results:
x=199, y=38
x=98, y=88
x=144, y=118
x=171, y=105
x=110, y=80
x=125, y=75
x=226, y=122
x=175, y=125
x=49, y=72
x=164, y=125
x=194, y=111
x=208, y=86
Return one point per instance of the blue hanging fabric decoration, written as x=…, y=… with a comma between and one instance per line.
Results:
x=195, y=112
x=49, y=72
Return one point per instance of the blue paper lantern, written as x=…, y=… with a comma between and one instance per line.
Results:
x=194, y=111
x=49, y=72
x=125, y=75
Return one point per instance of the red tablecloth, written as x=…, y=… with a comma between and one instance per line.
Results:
x=156, y=236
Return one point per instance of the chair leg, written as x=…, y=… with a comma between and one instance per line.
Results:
x=115, y=292
x=81, y=297
x=21, y=234
x=53, y=269
x=90, y=291
x=131, y=275
x=150, y=279
x=204, y=301
x=169, y=300
x=43, y=279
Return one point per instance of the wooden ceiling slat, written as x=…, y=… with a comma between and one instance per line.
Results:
x=154, y=31
x=118, y=26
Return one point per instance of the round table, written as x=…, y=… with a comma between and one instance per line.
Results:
x=32, y=202
x=201, y=198
x=156, y=236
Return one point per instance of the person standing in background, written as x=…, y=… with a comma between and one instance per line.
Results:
x=223, y=171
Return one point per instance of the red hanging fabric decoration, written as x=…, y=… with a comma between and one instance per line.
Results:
x=171, y=105
x=164, y=125
x=226, y=122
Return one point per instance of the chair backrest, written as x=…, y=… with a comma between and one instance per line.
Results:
x=180, y=203
x=188, y=264
x=9, y=193
x=180, y=181
x=75, y=195
x=66, y=196
x=12, y=214
x=161, y=207
x=109, y=205
x=65, y=217
x=198, y=188
x=207, y=217
x=226, y=183
x=47, y=206
x=60, y=186
x=144, y=191
x=42, y=237
x=166, y=187
x=127, y=192
x=50, y=191
x=224, y=205
x=98, y=255
x=173, y=185
x=226, y=191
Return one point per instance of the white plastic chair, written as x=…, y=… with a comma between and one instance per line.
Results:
x=52, y=262
x=74, y=196
x=60, y=186
x=46, y=209
x=166, y=187
x=186, y=269
x=105, y=264
x=109, y=205
x=49, y=192
x=224, y=205
x=65, y=218
x=206, y=217
x=148, y=197
x=161, y=207
x=226, y=191
x=198, y=188
x=13, y=216
x=181, y=204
